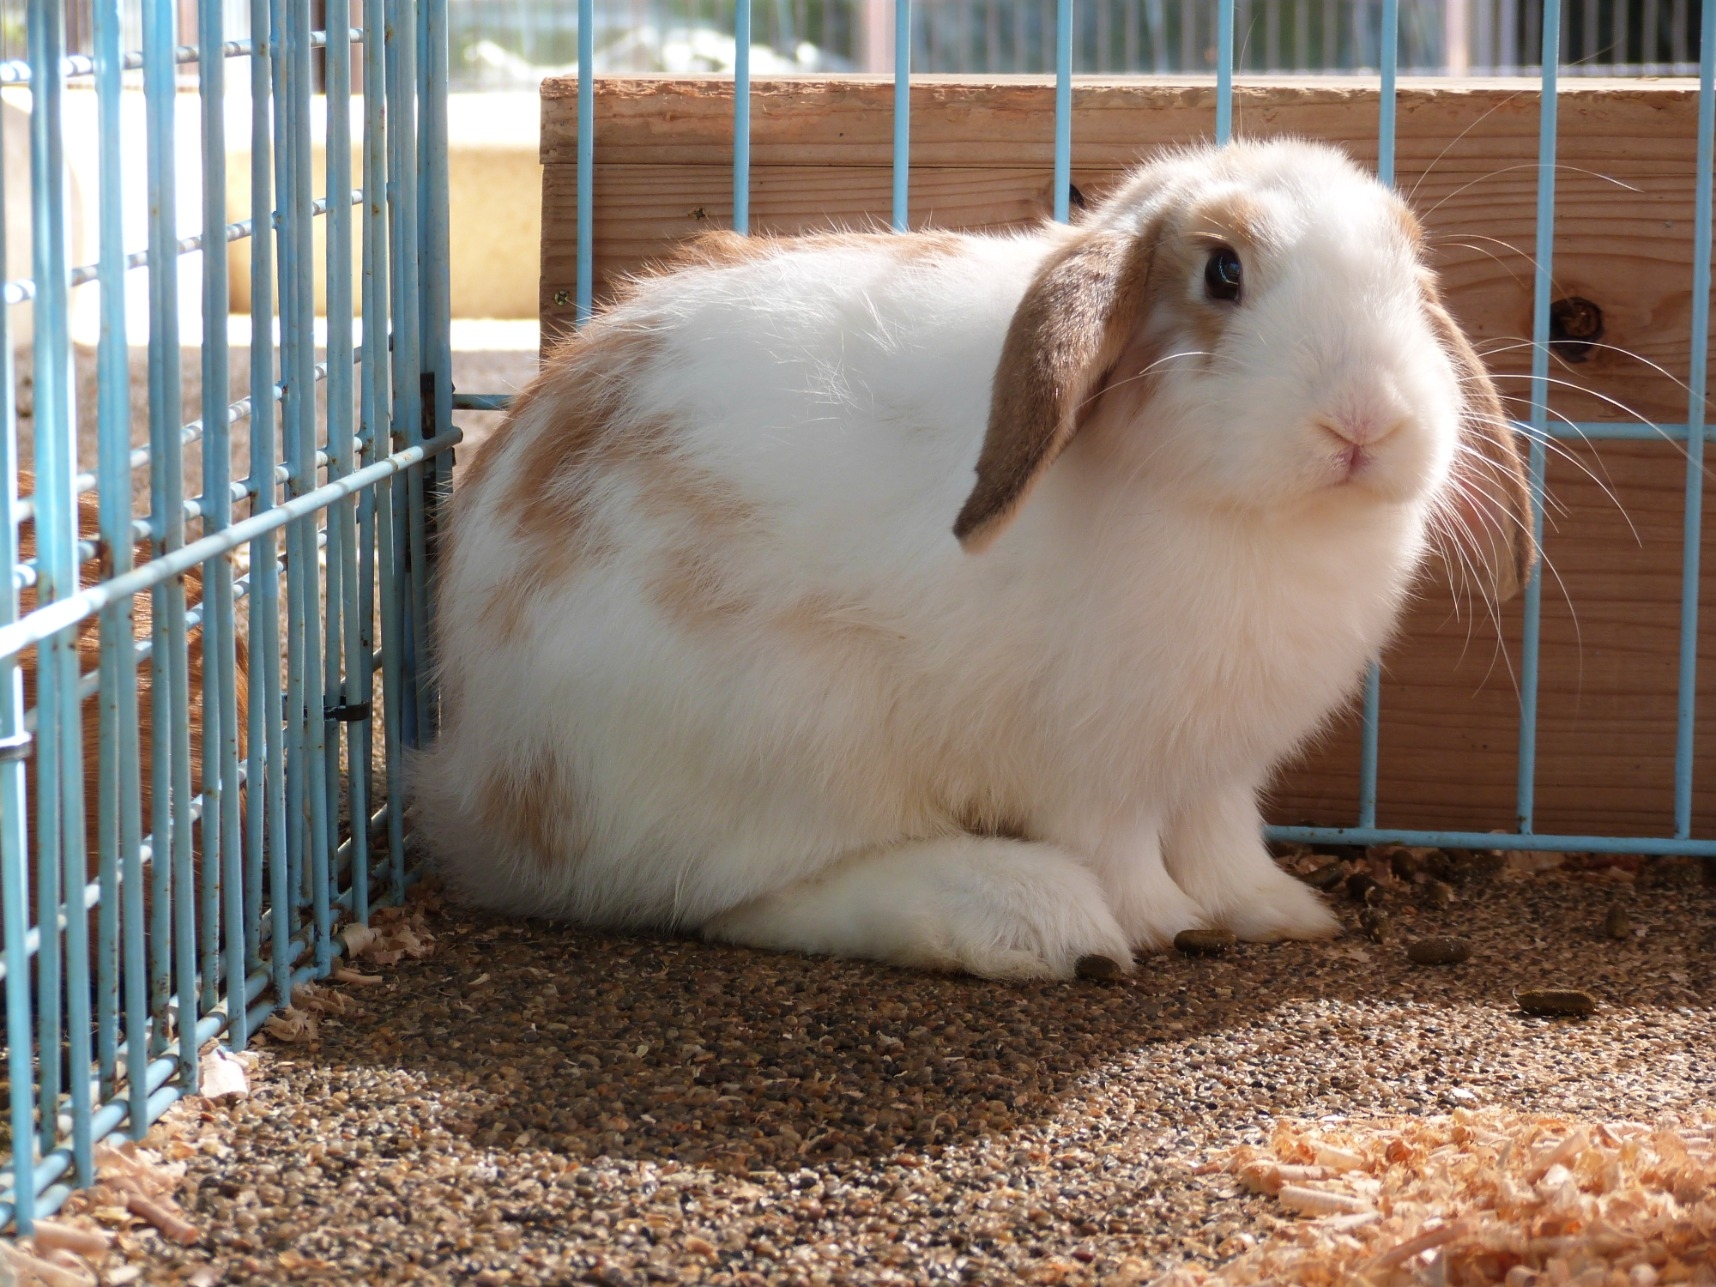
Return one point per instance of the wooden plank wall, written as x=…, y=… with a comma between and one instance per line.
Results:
x=1466, y=156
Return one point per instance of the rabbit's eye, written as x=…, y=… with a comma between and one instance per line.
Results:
x=1223, y=273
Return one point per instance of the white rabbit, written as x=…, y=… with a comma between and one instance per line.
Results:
x=733, y=639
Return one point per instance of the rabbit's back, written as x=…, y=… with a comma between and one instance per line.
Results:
x=689, y=594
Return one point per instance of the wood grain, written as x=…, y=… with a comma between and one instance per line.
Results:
x=1466, y=157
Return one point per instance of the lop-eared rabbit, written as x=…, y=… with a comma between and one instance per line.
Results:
x=948, y=600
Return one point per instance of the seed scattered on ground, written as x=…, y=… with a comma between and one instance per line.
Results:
x=1102, y=969
x=1467, y=865
x=1438, y=950
x=1405, y=864
x=1617, y=924
x=1557, y=1002
x=1438, y=894
x=1375, y=924
x=1328, y=875
x=1204, y=942
x=1363, y=888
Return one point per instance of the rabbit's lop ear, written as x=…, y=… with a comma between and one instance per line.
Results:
x=1067, y=332
x=1489, y=501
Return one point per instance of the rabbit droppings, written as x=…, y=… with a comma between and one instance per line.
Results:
x=948, y=599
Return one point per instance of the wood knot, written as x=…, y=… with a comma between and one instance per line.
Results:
x=1575, y=327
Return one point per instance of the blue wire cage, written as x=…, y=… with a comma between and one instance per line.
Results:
x=134, y=936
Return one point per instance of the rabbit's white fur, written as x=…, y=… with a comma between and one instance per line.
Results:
x=713, y=658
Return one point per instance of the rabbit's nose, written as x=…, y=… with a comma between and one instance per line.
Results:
x=1355, y=440
x=1361, y=429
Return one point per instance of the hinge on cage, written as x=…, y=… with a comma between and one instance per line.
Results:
x=16, y=747
x=347, y=712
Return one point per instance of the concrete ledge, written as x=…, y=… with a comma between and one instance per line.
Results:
x=494, y=198
x=495, y=204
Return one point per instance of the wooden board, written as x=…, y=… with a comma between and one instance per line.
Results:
x=982, y=157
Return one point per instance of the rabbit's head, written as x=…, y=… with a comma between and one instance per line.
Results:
x=1255, y=326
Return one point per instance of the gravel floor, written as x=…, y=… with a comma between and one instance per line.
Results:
x=534, y=1104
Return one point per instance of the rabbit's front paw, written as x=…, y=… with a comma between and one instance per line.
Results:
x=1151, y=908
x=1001, y=909
x=1272, y=905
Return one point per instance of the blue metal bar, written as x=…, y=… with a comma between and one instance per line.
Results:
x=76, y=66
x=14, y=809
x=173, y=930
x=902, y=111
x=1063, y=109
x=338, y=532
x=742, y=114
x=1649, y=846
x=1390, y=63
x=342, y=644
x=1537, y=459
x=138, y=458
x=374, y=515
x=1628, y=430
x=306, y=754
x=1372, y=726
x=223, y=871
x=67, y=612
x=21, y=290
x=482, y=401
x=1224, y=70
x=587, y=157
x=391, y=501
x=1368, y=744
x=435, y=302
x=266, y=816
x=119, y=824
x=286, y=197
x=59, y=770
x=218, y=664
x=1696, y=382
x=120, y=705
x=406, y=247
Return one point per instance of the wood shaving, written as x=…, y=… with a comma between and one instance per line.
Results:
x=165, y=1216
x=344, y=975
x=320, y=1000
x=134, y=1185
x=130, y=1167
x=57, y=1235
x=357, y=936
x=291, y=1025
x=392, y=935
x=1476, y=1198
x=22, y=1269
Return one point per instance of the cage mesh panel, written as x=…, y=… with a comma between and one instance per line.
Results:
x=199, y=767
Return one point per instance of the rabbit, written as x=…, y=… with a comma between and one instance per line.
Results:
x=948, y=600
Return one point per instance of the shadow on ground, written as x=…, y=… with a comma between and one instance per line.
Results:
x=537, y=1104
